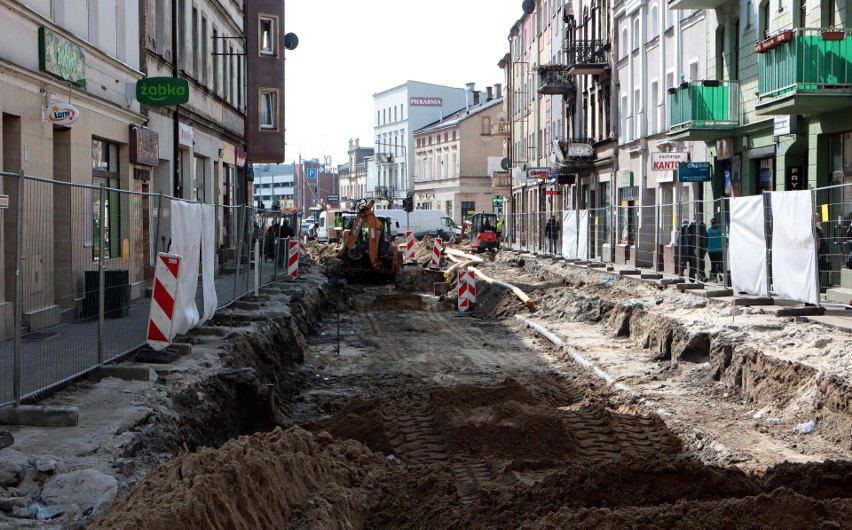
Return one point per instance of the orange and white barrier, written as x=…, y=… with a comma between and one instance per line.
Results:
x=302, y=242
x=409, y=246
x=160, y=317
x=293, y=259
x=437, y=249
x=467, y=289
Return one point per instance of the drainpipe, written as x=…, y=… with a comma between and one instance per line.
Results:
x=176, y=117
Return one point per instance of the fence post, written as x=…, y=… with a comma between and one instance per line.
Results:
x=239, y=240
x=657, y=221
x=816, y=251
x=101, y=275
x=19, y=290
x=157, y=229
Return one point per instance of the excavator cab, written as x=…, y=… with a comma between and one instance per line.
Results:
x=367, y=248
x=483, y=231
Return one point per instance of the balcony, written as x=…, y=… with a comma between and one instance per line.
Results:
x=501, y=128
x=808, y=73
x=704, y=110
x=696, y=4
x=554, y=80
x=574, y=155
x=587, y=57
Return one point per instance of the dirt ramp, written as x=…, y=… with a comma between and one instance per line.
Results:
x=263, y=481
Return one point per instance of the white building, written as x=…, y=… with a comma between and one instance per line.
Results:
x=398, y=112
x=657, y=49
x=274, y=183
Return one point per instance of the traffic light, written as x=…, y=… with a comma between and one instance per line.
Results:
x=408, y=203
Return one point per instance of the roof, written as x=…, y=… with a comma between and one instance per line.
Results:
x=458, y=116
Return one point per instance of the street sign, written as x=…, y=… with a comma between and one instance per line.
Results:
x=4, y=201
x=162, y=91
x=312, y=173
x=694, y=172
x=334, y=198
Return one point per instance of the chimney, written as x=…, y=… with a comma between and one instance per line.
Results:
x=357, y=143
x=490, y=94
x=476, y=97
x=467, y=95
x=498, y=90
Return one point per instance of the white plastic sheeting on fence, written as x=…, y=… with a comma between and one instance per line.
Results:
x=748, y=246
x=197, y=248
x=575, y=234
x=794, y=255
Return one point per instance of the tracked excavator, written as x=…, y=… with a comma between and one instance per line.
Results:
x=366, y=247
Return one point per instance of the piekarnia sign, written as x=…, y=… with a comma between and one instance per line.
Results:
x=426, y=102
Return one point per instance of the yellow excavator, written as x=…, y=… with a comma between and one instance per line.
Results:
x=367, y=248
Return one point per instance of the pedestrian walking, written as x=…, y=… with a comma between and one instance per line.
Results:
x=551, y=231
x=823, y=259
x=714, y=250
x=700, y=231
x=284, y=235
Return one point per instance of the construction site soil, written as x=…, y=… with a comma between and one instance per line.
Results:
x=612, y=403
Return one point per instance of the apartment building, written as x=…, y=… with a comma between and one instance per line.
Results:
x=274, y=186
x=353, y=174
x=660, y=58
x=65, y=117
x=398, y=112
x=454, y=157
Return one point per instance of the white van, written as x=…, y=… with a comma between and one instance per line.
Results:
x=422, y=222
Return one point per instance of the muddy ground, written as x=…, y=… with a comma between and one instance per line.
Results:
x=655, y=409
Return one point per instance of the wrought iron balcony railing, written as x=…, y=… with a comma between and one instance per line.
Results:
x=587, y=56
x=555, y=79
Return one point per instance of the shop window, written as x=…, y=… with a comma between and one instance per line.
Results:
x=105, y=172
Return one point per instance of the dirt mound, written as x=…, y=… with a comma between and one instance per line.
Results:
x=262, y=481
x=477, y=457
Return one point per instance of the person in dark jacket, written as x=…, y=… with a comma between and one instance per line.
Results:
x=714, y=250
x=699, y=229
x=686, y=250
x=551, y=231
x=285, y=232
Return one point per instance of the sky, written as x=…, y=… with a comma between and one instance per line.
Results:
x=349, y=50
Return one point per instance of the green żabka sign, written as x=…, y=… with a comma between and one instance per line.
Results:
x=162, y=91
x=61, y=57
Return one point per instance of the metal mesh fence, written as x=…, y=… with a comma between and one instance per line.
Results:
x=78, y=267
x=691, y=239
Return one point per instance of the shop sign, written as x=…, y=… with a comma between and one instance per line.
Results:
x=784, y=124
x=61, y=57
x=795, y=178
x=144, y=146
x=162, y=91
x=187, y=135
x=576, y=150
x=538, y=172
x=630, y=194
x=665, y=164
x=425, y=102
x=626, y=178
x=240, y=157
x=62, y=114
x=694, y=172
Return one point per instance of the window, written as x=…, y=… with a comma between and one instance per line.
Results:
x=200, y=179
x=268, y=35
x=268, y=109
x=669, y=18
x=93, y=22
x=655, y=96
x=468, y=207
x=636, y=39
x=625, y=44
x=486, y=125
x=195, y=70
x=654, y=22
x=637, y=110
x=215, y=60
x=204, y=51
x=105, y=172
x=159, y=22
x=764, y=20
x=625, y=137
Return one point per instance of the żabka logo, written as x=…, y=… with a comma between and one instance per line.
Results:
x=160, y=92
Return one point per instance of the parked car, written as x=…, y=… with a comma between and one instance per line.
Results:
x=309, y=228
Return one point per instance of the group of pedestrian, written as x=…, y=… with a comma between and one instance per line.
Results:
x=282, y=232
x=695, y=240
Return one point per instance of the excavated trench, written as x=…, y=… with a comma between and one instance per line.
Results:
x=539, y=450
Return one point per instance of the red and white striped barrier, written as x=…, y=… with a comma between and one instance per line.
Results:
x=437, y=249
x=467, y=289
x=293, y=260
x=302, y=251
x=409, y=246
x=163, y=299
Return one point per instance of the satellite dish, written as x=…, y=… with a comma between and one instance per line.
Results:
x=291, y=41
x=528, y=6
x=506, y=163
